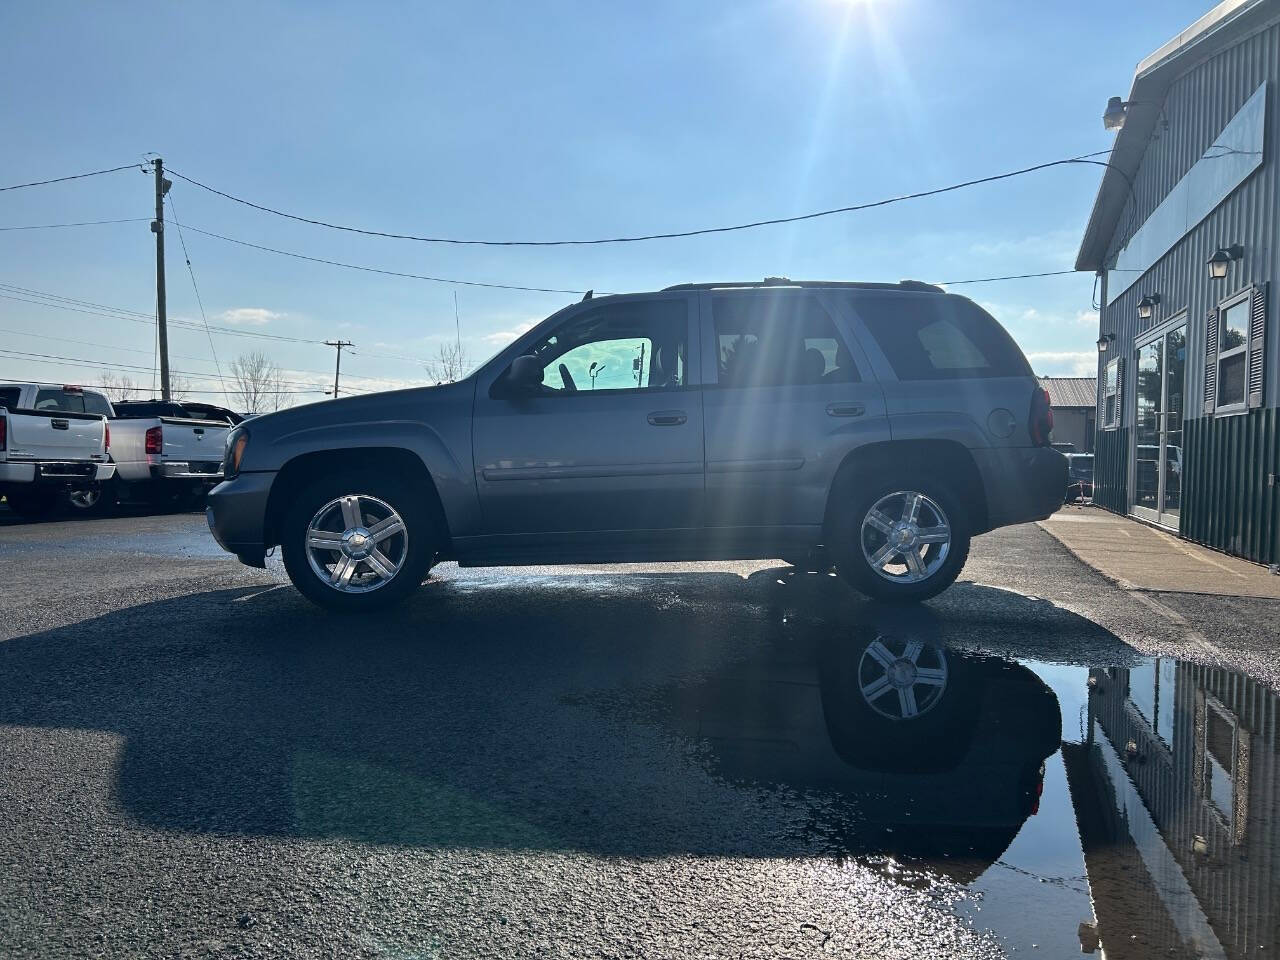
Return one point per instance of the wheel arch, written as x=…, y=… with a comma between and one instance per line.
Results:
x=393, y=461
x=946, y=458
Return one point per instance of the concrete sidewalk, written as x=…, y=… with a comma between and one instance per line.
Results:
x=1140, y=557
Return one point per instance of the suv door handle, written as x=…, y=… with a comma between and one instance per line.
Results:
x=845, y=409
x=668, y=418
x=60, y=424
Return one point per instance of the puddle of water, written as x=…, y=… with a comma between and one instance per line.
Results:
x=1130, y=811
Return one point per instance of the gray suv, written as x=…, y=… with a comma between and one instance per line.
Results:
x=871, y=427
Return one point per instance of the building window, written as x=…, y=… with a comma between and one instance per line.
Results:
x=1111, y=395
x=1233, y=352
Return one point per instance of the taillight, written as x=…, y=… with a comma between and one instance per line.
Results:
x=4, y=426
x=155, y=440
x=106, y=438
x=1040, y=422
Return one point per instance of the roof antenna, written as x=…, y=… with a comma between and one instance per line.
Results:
x=587, y=296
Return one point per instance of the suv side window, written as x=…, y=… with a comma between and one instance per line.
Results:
x=933, y=337
x=632, y=345
x=765, y=341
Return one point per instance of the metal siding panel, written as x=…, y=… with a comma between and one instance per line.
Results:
x=1227, y=502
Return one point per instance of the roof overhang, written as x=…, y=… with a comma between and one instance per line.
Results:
x=1226, y=24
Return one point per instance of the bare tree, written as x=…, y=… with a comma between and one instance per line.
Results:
x=450, y=363
x=118, y=386
x=256, y=383
x=179, y=387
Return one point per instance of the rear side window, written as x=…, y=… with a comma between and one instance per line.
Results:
x=60, y=400
x=9, y=397
x=931, y=337
x=765, y=341
x=97, y=403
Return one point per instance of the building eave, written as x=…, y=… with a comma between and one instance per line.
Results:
x=1226, y=24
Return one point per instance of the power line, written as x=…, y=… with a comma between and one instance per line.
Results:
x=199, y=302
x=389, y=273
x=130, y=367
x=90, y=343
x=184, y=390
x=1082, y=159
x=1016, y=276
x=74, y=176
x=82, y=223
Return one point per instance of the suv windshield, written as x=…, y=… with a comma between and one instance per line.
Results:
x=932, y=337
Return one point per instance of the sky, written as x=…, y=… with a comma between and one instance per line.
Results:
x=530, y=121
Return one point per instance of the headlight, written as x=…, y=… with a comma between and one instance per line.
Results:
x=237, y=440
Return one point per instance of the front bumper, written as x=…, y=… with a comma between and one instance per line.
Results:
x=1022, y=483
x=60, y=473
x=237, y=515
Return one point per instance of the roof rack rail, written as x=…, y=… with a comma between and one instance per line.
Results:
x=785, y=282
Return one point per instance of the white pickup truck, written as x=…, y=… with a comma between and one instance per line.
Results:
x=163, y=452
x=166, y=451
x=53, y=440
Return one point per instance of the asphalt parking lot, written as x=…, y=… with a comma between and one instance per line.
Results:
x=634, y=761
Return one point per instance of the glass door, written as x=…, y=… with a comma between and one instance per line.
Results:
x=1157, y=434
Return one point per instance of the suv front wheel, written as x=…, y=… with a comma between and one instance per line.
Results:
x=900, y=539
x=354, y=543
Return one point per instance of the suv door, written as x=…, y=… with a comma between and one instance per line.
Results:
x=611, y=440
x=788, y=394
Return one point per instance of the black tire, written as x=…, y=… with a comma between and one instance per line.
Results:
x=97, y=502
x=846, y=532
x=422, y=535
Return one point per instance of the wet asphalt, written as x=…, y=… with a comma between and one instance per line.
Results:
x=630, y=761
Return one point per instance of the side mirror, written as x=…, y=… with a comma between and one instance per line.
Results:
x=525, y=375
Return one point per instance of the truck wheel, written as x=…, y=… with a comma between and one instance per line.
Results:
x=899, y=538
x=353, y=543
x=33, y=504
x=95, y=501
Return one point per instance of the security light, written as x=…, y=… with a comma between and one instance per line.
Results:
x=1220, y=262
x=1113, y=116
x=1104, y=341
x=1147, y=306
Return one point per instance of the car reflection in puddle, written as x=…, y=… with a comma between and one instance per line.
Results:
x=1143, y=826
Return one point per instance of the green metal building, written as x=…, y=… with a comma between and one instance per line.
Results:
x=1184, y=239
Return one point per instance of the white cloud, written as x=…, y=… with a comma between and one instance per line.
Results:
x=501, y=338
x=1064, y=363
x=249, y=316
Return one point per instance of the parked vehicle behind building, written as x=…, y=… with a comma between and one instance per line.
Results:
x=874, y=426
x=53, y=440
x=1079, y=477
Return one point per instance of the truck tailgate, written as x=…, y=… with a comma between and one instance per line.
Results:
x=193, y=440
x=54, y=435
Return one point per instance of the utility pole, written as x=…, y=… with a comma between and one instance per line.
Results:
x=338, y=367
x=157, y=227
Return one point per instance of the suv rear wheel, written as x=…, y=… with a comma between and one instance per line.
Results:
x=900, y=538
x=353, y=543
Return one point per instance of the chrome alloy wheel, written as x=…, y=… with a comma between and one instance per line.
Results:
x=84, y=499
x=357, y=543
x=902, y=679
x=906, y=537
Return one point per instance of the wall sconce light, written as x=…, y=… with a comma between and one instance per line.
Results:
x=1147, y=306
x=1220, y=262
x=1113, y=116
x=1105, y=341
